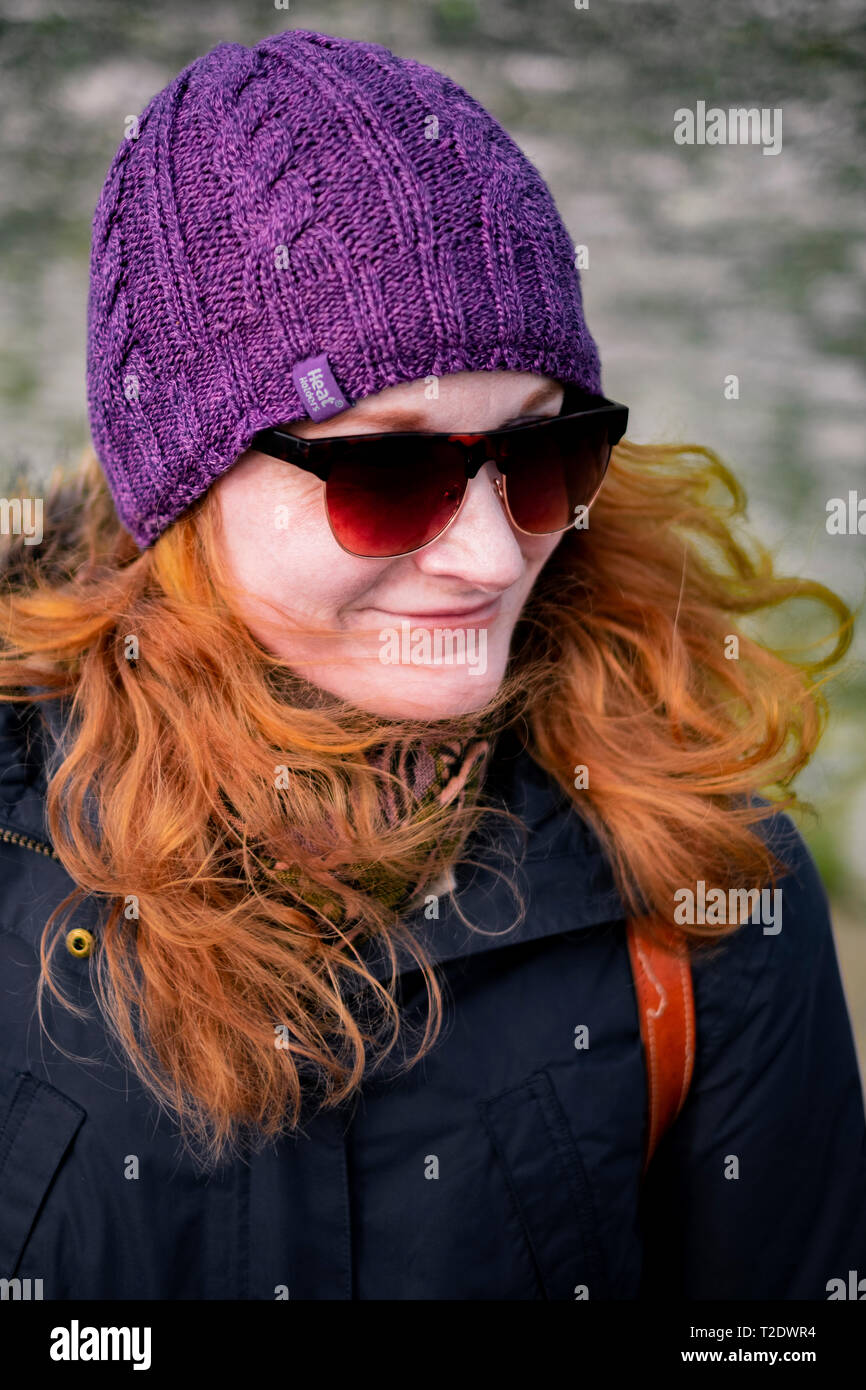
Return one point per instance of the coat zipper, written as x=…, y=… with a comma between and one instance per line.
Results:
x=12, y=837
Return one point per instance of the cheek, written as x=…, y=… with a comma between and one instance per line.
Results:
x=278, y=543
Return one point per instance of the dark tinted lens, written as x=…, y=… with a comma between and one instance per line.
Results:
x=383, y=499
x=552, y=471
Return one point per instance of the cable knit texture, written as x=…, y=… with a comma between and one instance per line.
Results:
x=309, y=196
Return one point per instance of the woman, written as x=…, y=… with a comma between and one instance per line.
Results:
x=316, y=981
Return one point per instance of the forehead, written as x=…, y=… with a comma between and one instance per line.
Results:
x=457, y=386
x=476, y=399
x=469, y=400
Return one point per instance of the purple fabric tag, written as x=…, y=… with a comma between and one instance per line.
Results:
x=319, y=392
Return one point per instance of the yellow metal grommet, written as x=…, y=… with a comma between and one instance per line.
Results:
x=79, y=943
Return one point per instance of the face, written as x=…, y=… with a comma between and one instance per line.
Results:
x=388, y=618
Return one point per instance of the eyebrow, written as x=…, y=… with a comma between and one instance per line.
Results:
x=397, y=420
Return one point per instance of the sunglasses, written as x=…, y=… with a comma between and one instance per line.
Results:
x=391, y=494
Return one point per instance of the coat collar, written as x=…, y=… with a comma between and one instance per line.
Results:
x=563, y=877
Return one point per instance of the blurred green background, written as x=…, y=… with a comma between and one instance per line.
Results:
x=703, y=261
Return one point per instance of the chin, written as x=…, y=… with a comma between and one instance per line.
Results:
x=406, y=693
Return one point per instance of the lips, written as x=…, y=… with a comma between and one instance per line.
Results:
x=481, y=613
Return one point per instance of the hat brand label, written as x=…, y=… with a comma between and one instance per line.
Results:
x=319, y=392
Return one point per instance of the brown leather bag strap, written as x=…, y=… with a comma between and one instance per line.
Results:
x=666, y=1008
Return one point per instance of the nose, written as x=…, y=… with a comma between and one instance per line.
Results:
x=480, y=545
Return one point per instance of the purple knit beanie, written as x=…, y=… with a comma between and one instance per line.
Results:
x=294, y=226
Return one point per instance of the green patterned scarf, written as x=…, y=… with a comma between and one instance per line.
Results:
x=429, y=776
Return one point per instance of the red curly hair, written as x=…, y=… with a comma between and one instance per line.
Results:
x=621, y=663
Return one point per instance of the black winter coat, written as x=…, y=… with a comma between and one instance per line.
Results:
x=507, y=1164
